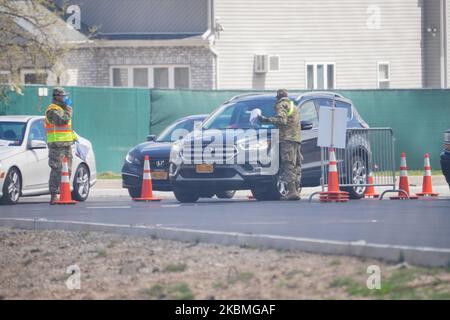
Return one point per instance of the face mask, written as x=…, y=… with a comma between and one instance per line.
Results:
x=67, y=101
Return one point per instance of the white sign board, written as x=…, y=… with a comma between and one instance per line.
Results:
x=332, y=127
x=43, y=92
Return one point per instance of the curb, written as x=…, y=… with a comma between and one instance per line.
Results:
x=420, y=256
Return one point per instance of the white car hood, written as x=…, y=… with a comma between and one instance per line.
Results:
x=7, y=152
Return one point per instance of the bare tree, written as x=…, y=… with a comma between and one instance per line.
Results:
x=28, y=38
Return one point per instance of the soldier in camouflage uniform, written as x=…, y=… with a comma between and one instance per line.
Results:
x=287, y=120
x=60, y=138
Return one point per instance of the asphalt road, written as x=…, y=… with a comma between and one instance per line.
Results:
x=417, y=223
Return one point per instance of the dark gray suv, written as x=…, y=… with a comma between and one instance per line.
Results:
x=191, y=179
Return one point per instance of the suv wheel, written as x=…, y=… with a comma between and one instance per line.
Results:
x=357, y=174
x=134, y=192
x=185, y=196
x=273, y=192
x=81, y=183
x=12, y=187
x=225, y=194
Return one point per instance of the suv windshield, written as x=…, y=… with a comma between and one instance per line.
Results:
x=177, y=130
x=12, y=133
x=236, y=115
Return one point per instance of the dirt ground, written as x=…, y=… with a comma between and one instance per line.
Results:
x=33, y=265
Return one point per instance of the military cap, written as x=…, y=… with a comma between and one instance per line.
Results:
x=59, y=91
x=281, y=93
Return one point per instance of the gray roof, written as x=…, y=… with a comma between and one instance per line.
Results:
x=143, y=19
x=58, y=31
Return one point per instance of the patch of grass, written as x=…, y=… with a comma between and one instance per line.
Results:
x=156, y=292
x=101, y=253
x=440, y=295
x=341, y=282
x=248, y=246
x=180, y=291
x=111, y=244
x=335, y=262
x=85, y=234
x=180, y=267
x=109, y=175
x=410, y=173
x=395, y=287
x=240, y=277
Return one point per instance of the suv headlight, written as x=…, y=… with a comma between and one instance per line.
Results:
x=175, y=153
x=447, y=141
x=253, y=145
x=131, y=158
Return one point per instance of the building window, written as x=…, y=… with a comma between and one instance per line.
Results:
x=120, y=77
x=34, y=77
x=384, y=75
x=181, y=78
x=140, y=77
x=320, y=76
x=163, y=77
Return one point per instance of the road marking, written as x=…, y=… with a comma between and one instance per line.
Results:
x=350, y=221
x=261, y=223
x=116, y=207
x=429, y=256
x=170, y=205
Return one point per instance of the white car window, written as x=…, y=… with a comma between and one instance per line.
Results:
x=12, y=133
x=37, y=131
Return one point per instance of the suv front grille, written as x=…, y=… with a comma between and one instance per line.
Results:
x=209, y=153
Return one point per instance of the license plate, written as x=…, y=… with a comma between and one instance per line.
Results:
x=159, y=175
x=204, y=168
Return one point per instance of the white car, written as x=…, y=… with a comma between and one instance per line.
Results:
x=24, y=169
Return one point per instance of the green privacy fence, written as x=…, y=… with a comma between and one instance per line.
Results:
x=116, y=119
x=418, y=117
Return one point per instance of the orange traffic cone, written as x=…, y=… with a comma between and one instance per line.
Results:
x=370, y=190
x=147, y=187
x=404, y=183
x=65, y=196
x=427, y=187
x=333, y=194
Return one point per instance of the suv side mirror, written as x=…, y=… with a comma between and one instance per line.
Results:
x=306, y=125
x=37, y=144
x=151, y=137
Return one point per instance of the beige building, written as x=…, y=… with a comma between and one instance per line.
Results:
x=258, y=44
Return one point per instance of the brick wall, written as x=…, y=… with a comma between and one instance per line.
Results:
x=91, y=66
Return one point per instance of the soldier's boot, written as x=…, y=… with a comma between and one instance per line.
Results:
x=53, y=199
x=292, y=194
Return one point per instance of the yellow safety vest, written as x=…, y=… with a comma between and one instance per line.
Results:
x=291, y=108
x=58, y=133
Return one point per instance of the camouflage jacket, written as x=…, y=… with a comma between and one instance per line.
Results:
x=287, y=120
x=58, y=117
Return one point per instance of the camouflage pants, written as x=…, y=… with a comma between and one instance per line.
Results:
x=291, y=162
x=55, y=158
